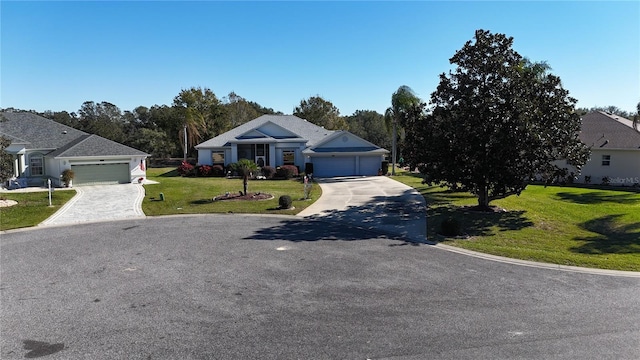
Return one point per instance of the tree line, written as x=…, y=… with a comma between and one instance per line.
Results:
x=159, y=129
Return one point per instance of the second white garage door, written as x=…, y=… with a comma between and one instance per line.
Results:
x=101, y=174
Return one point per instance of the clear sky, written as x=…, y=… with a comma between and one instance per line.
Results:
x=56, y=55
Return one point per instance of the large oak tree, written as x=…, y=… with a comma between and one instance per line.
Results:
x=497, y=122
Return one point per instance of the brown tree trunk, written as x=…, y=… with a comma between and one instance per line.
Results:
x=483, y=197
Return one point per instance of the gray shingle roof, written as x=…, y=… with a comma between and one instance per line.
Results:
x=94, y=145
x=65, y=141
x=304, y=129
x=602, y=130
x=37, y=131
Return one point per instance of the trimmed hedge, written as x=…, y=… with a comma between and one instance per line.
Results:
x=268, y=171
x=287, y=171
x=285, y=202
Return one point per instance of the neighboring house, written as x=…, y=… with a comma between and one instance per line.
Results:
x=276, y=140
x=42, y=149
x=615, y=149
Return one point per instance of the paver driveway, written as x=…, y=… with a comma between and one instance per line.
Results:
x=376, y=203
x=100, y=203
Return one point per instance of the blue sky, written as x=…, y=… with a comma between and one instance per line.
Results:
x=56, y=55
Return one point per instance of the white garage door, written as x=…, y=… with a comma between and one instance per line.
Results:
x=101, y=174
x=334, y=166
x=369, y=165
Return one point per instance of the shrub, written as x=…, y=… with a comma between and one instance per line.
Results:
x=285, y=202
x=67, y=176
x=606, y=180
x=268, y=171
x=385, y=167
x=587, y=179
x=204, y=170
x=450, y=227
x=217, y=170
x=287, y=171
x=232, y=168
x=185, y=169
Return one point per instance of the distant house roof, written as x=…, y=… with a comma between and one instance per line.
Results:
x=300, y=128
x=39, y=133
x=604, y=130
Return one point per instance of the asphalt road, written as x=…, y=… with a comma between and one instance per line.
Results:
x=248, y=287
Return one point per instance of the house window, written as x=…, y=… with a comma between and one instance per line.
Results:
x=36, y=165
x=217, y=157
x=606, y=160
x=288, y=157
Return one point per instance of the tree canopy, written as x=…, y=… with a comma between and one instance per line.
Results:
x=321, y=112
x=497, y=122
x=395, y=118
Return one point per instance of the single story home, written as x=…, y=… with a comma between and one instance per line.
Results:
x=615, y=150
x=42, y=149
x=276, y=140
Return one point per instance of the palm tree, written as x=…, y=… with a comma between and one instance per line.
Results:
x=246, y=167
x=401, y=100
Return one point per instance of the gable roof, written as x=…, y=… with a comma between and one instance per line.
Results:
x=301, y=129
x=604, y=130
x=96, y=146
x=342, y=141
x=39, y=133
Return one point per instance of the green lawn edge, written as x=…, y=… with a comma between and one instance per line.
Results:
x=564, y=225
x=193, y=195
x=32, y=208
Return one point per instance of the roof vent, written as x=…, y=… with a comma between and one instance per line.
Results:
x=64, y=132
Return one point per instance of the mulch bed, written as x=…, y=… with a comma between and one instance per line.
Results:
x=249, y=196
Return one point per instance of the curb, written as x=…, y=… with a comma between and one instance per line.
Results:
x=539, y=265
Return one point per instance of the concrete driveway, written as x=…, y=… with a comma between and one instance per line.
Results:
x=100, y=203
x=375, y=203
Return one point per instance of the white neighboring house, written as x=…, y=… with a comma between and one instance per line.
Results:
x=42, y=149
x=615, y=149
x=276, y=140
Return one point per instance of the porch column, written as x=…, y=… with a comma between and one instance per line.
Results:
x=16, y=164
x=234, y=153
x=21, y=164
x=272, y=155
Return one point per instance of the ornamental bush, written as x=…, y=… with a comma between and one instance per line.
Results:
x=185, y=169
x=217, y=170
x=268, y=171
x=285, y=202
x=287, y=171
x=205, y=170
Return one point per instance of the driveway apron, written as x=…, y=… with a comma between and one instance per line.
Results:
x=376, y=203
x=100, y=203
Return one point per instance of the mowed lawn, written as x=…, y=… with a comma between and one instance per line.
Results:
x=32, y=208
x=564, y=225
x=193, y=195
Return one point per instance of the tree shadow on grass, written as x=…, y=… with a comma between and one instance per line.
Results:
x=599, y=197
x=610, y=237
x=478, y=223
x=172, y=173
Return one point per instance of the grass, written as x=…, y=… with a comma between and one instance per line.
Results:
x=578, y=226
x=192, y=195
x=32, y=208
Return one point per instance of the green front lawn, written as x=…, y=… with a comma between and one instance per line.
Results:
x=32, y=208
x=192, y=195
x=562, y=225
